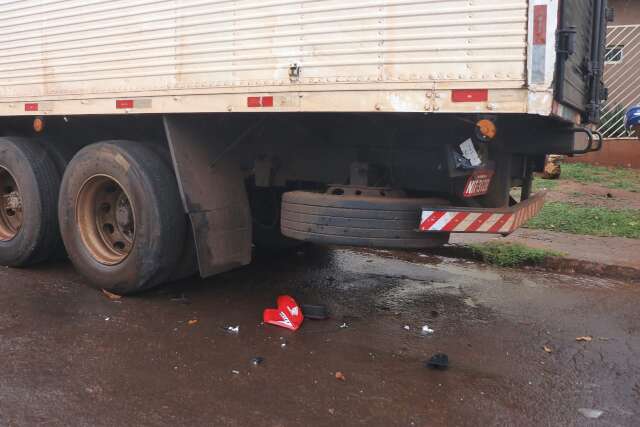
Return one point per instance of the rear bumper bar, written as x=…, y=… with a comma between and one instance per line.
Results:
x=479, y=220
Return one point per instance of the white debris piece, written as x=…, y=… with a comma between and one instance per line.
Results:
x=407, y=327
x=233, y=329
x=234, y=372
x=591, y=413
x=344, y=326
x=427, y=330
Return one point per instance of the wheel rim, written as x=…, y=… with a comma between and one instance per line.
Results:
x=105, y=217
x=11, y=213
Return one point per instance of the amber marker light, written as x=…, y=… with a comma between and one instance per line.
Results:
x=486, y=129
x=38, y=124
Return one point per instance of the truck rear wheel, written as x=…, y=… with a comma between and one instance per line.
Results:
x=358, y=217
x=29, y=185
x=120, y=216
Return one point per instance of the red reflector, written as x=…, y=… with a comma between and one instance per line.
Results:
x=267, y=101
x=257, y=101
x=124, y=103
x=31, y=107
x=254, y=101
x=470, y=95
x=540, y=24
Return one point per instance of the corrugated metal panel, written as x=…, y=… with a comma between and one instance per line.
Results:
x=91, y=47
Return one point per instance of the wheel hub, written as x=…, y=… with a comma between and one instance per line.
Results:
x=124, y=214
x=11, y=211
x=106, y=220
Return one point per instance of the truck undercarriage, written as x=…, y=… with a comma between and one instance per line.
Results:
x=144, y=199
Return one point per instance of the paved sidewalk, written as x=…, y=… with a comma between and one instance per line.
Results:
x=611, y=251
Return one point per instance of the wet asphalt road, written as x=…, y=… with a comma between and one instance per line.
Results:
x=72, y=357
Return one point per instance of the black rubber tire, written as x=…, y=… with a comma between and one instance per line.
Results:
x=60, y=153
x=160, y=220
x=380, y=222
x=39, y=182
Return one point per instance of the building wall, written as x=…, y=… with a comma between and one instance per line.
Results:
x=627, y=11
x=622, y=79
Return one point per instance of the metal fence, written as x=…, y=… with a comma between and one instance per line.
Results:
x=622, y=77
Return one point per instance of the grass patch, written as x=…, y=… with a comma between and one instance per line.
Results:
x=510, y=254
x=592, y=221
x=544, y=184
x=618, y=178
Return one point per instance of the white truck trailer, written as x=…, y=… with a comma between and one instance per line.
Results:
x=150, y=139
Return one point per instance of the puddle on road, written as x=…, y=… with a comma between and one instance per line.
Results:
x=399, y=283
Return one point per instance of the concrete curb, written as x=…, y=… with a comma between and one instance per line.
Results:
x=555, y=265
x=570, y=266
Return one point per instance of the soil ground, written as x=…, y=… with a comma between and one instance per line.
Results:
x=72, y=357
x=577, y=193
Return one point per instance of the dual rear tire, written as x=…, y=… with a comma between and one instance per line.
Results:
x=116, y=209
x=120, y=216
x=29, y=185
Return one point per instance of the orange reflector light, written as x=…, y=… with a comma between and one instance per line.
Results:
x=38, y=124
x=487, y=129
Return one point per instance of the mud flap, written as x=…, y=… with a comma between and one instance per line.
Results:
x=214, y=195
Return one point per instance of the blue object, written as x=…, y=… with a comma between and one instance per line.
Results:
x=632, y=118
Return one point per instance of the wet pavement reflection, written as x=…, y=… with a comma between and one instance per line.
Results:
x=71, y=356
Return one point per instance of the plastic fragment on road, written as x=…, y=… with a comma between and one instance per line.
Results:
x=593, y=414
x=235, y=372
x=257, y=361
x=314, y=312
x=584, y=339
x=340, y=376
x=192, y=322
x=233, y=329
x=407, y=327
x=344, y=326
x=288, y=315
x=111, y=295
x=438, y=361
x=547, y=349
x=426, y=330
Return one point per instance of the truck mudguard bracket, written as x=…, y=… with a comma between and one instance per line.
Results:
x=214, y=196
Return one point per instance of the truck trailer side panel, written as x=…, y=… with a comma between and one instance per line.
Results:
x=164, y=56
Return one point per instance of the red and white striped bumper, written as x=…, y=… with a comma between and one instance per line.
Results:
x=478, y=220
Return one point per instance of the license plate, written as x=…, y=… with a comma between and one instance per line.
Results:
x=478, y=184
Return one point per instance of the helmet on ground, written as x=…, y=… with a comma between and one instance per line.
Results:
x=632, y=118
